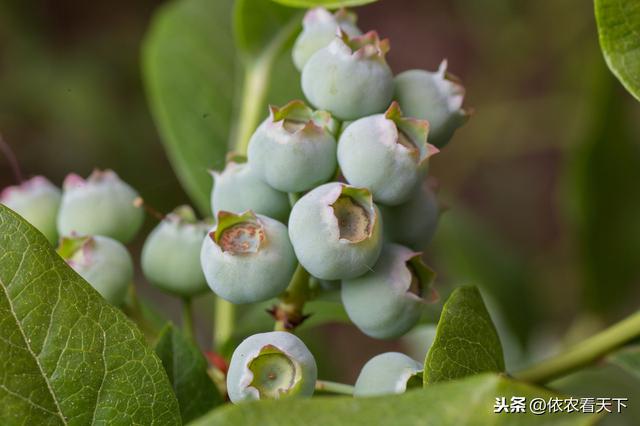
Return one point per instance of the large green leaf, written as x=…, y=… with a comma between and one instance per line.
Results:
x=66, y=356
x=619, y=29
x=466, y=341
x=611, y=378
x=198, y=90
x=187, y=371
x=189, y=67
x=264, y=34
x=259, y=23
x=628, y=359
x=330, y=4
x=458, y=403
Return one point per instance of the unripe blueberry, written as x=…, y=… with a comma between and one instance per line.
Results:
x=171, y=254
x=103, y=262
x=388, y=373
x=37, y=200
x=350, y=77
x=271, y=366
x=294, y=150
x=433, y=96
x=386, y=153
x=319, y=28
x=238, y=189
x=247, y=258
x=100, y=205
x=388, y=300
x=413, y=223
x=336, y=231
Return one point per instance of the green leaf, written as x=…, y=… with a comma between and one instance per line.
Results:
x=259, y=23
x=66, y=356
x=619, y=29
x=264, y=33
x=189, y=69
x=200, y=95
x=458, y=403
x=466, y=340
x=329, y=4
x=187, y=371
x=604, y=380
x=628, y=359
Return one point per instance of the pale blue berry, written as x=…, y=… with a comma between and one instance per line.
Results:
x=103, y=262
x=37, y=200
x=171, y=254
x=388, y=373
x=414, y=222
x=247, y=258
x=336, y=231
x=350, y=77
x=433, y=96
x=386, y=153
x=294, y=150
x=319, y=28
x=388, y=300
x=238, y=189
x=100, y=205
x=271, y=365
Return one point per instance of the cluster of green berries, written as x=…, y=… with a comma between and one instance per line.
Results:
x=336, y=188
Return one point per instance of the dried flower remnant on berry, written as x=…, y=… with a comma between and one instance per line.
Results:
x=353, y=219
x=242, y=238
x=274, y=373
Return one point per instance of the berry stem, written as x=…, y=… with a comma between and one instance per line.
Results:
x=12, y=160
x=223, y=321
x=289, y=312
x=583, y=353
x=257, y=74
x=294, y=197
x=187, y=318
x=334, y=387
x=255, y=85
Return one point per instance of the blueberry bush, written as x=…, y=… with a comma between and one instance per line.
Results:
x=307, y=160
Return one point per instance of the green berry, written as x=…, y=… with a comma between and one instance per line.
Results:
x=414, y=222
x=336, y=231
x=319, y=28
x=238, y=189
x=294, y=150
x=271, y=366
x=388, y=300
x=37, y=200
x=433, y=96
x=171, y=254
x=350, y=77
x=385, y=153
x=100, y=205
x=388, y=373
x=103, y=262
x=247, y=258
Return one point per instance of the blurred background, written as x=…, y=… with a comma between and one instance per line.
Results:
x=542, y=184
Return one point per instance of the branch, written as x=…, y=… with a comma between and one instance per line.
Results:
x=583, y=353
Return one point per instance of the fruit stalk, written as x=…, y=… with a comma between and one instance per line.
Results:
x=583, y=353
x=334, y=387
x=289, y=311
